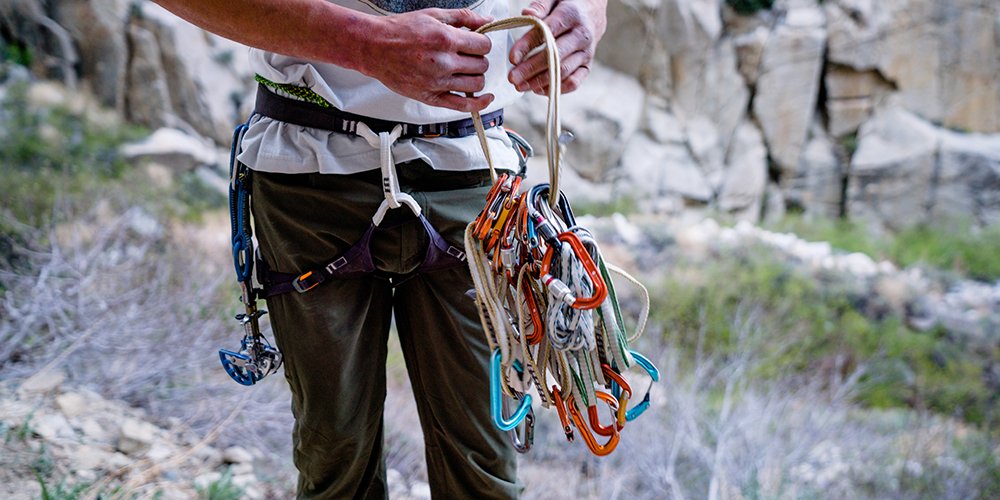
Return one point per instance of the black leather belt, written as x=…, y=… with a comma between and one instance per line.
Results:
x=307, y=114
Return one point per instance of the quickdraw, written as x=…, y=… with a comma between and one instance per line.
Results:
x=256, y=357
x=548, y=303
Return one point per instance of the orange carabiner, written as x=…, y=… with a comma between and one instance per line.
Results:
x=536, y=317
x=625, y=395
x=491, y=210
x=561, y=408
x=588, y=437
x=600, y=289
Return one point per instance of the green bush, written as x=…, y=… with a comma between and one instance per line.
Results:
x=809, y=324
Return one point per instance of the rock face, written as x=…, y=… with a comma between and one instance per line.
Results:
x=843, y=107
x=154, y=68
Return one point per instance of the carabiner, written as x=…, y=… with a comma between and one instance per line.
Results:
x=561, y=408
x=654, y=374
x=600, y=290
x=595, y=447
x=522, y=445
x=623, y=394
x=496, y=398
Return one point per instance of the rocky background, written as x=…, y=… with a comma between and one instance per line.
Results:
x=886, y=110
x=776, y=161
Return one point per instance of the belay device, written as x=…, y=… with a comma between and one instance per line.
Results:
x=256, y=357
x=548, y=304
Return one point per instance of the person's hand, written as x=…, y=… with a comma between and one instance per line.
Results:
x=577, y=26
x=427, y=56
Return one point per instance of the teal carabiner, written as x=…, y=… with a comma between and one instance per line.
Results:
x=654, y=374
x=496, y=402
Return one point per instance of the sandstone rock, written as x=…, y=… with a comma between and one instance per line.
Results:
x=602, y=115
x=664, y=126
x=746, y=174
x=654, y=169
x=87, y=457
x=148, y=97
x=168, y=146
x=788, y=85
x=703, y=65
x=967, y=184
x=236, y=455
x=942, y=56
x=71, y=404
x=52, y=426
x=890, y=176
x=97, y=30
x=629, y=43
x=851, y=97
x=706, y=147
x=817, y=186
x=135, y=436
x=95, y=431
x=750, y=52
x=43, y=381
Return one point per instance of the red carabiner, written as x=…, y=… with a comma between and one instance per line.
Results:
x=600, y=289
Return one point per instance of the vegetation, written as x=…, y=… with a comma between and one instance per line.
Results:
x=815, y=327
x=955, y=246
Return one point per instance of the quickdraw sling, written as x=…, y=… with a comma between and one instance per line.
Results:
x=547, y=301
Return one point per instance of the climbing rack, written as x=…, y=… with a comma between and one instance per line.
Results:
x=547, y=300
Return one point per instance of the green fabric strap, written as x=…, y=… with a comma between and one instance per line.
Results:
x=305, y=93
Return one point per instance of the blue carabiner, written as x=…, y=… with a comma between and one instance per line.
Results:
x=654, y=374
x=496, y=405
x=643, y=405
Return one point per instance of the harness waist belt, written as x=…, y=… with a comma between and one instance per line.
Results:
x=307, y=114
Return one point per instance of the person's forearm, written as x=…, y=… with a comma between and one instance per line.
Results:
x=316, y=30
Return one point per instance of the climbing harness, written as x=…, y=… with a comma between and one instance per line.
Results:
x=547, y=300
x=256, y=357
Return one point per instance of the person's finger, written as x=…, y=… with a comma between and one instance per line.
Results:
x=462, y=103
x=575, y=79
x=466, y=83
x=470, y=65
x=538, y=8
x=574, y=43
x=459, y=18
x=568, y=67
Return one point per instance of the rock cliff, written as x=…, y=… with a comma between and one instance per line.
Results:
x=887, y=110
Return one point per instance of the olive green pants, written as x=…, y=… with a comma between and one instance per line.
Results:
x=334, y=336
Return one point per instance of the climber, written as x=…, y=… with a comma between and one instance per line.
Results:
x=362, y=105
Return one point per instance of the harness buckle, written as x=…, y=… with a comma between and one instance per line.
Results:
x=298, y=285
x=455, y=252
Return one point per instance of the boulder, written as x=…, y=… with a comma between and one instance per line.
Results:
x=942, y=56
x=968, y=179
x=602, y=116
x=97, y=28
x=746, y=174
x=851, y=97
x=817, y=186
x=890, y=176
x=136, y=436
x=652, y=170
x=168, y=146
x=147, y=100
x=788, y=86
x=703, y=66
x=43, y=381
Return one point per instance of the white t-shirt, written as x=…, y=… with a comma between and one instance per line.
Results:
x=273, y=146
